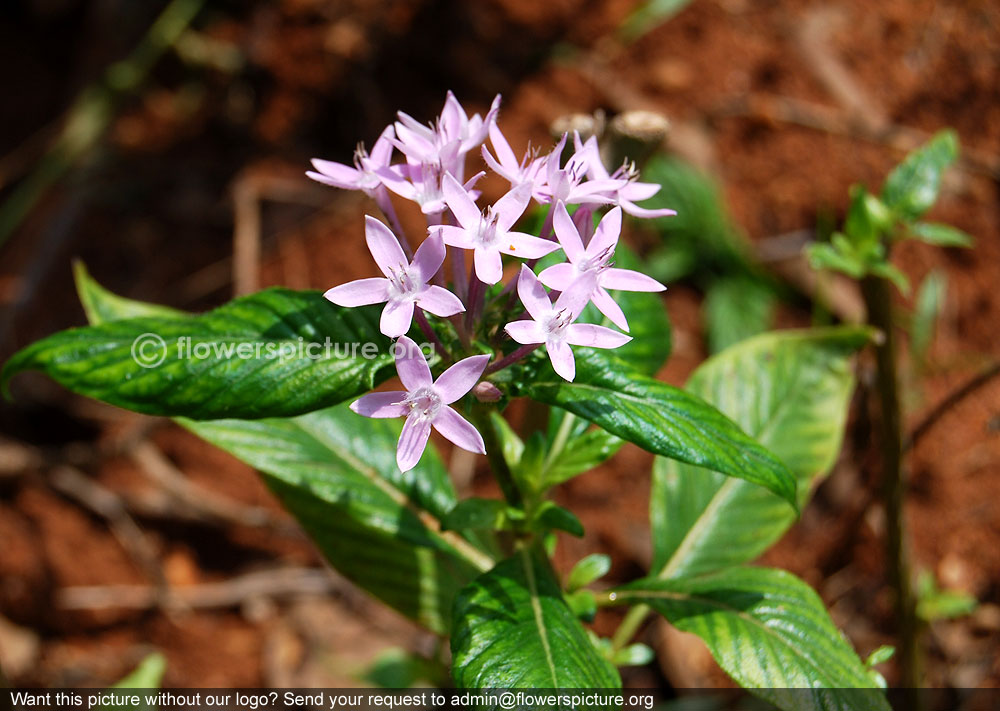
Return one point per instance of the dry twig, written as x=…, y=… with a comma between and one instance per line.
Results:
x=280, y=582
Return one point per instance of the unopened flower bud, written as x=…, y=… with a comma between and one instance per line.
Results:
x=487, y=392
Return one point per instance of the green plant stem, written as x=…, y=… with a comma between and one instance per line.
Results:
x=426, y=329
x=877, y=294
x=629, y=626
x=511, y=358
x=384, y=202
x=93, y=110
x=559, y=442
x=494, y=454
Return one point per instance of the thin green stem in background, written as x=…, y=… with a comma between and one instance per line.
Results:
x=877, y=293
x=93, y=111
x=494, y=454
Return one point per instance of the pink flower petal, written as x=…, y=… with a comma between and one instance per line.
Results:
x=460, y=378
x=455, y=236
x=384, y=247
x=583, y=218
x=489, y=265
x=552, y=162
x=360, y=292
x=453, y=116
x=458, y=200
x=629, y=280
x=576, y=297
x=524, y=245
x=396, y=318
x=525, y=332
x=558, y=277
x=440, y=302
x=511, y=206
x=412, y=442
x=382, y=150
x=645, y=213
x=335, y=174
x=609, y=307
x=567, y=233
x=505, y=156
x=411, y=365
x=338, y=171
x=593, y=336
x=508, y=175
x=393, y=179
x=429, y=258
x=561, y=356
x=533, y=295
x=457, y=430
x=385, y=404
x=607, y=234
x=639, y=191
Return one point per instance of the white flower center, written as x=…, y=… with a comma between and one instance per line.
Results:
x=402, y=286
x=554, y=325
x=486, y=234
x=599, y=262
x=362, y=162
x=424, y=403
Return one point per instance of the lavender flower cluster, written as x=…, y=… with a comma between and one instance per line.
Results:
x=432, y=175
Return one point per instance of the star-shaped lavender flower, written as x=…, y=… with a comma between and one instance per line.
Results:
x=506, y=164
x=403, y=286
x=568, y=184
x=447, y=141
x=488, y=233
x=363, y=176
x=552, y=324
x=629, y=191
x=425, y=403
x=595, y=259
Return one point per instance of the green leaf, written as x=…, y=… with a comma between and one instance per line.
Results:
x=148, y=675
x=940, y=235
x=880, y=655
x=512, y=448
x=933, y=603
x=513, y=630
x=647, y=319
x=583, y=603
x=890, y=271
x=474, y=513
x=101, y=305
x=867, y=220
x=700, y=238
x=770, y=632
x=650, y=15
x=587, y=570
x=573, y=448
x=336, y=473
x=661, y=419
x=550, y=516
x=397, y=668
x=634, y=655
x=265, y=355
x=735, y=309
x=826, y=256
x=788, y=389
x=912, y=187
x=929, y=303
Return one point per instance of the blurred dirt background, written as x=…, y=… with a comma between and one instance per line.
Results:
x=121, y=533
